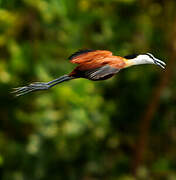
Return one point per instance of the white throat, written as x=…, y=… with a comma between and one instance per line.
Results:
x=141, y=60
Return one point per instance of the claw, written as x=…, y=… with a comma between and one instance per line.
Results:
x=30, y=88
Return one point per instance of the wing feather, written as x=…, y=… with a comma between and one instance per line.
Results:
x=101, y=73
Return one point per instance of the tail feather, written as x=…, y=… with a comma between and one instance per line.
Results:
x=37, y=86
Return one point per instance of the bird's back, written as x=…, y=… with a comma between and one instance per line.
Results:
x=85, y=56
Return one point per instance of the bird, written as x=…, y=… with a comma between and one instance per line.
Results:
x=94, y=65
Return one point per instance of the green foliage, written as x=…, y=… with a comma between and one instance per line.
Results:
x=82, y=129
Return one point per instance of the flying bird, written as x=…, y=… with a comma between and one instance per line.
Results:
x=94, y=65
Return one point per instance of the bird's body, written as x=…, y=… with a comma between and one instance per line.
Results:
x=94, y=65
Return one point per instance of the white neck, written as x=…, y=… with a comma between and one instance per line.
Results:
x=141, y=59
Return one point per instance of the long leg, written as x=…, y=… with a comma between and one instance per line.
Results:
x=40, y=85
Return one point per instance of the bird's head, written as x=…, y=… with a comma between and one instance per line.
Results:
x=147, y=58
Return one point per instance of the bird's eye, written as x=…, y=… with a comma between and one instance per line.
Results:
x=150, y=55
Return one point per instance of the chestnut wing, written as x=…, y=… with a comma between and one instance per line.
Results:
x=85, y=56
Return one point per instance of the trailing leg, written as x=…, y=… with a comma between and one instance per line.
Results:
x=37, y=86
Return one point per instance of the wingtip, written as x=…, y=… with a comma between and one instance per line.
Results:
x=79, y=52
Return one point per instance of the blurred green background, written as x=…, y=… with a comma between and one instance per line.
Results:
x=119, y=129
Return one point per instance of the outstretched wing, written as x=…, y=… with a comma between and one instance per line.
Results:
x=84, y=56
x=101, y=73
x=96, y=73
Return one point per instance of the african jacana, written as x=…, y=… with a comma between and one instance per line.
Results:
x=94, y=65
